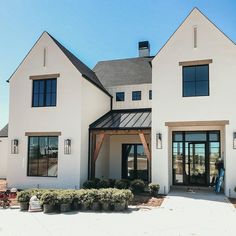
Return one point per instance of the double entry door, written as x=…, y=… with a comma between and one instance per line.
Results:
x=134, y=162
x=195, y=164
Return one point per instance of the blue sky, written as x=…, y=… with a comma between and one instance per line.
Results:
x=96, y=29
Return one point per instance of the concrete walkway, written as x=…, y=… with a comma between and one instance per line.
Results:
x=181, y=214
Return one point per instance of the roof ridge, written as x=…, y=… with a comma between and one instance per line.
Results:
x=86, y=72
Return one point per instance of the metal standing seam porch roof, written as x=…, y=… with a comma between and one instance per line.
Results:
x=124, y=120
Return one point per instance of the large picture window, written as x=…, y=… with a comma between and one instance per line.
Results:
x=196, y=81
x=44, y=93
x=43, y=156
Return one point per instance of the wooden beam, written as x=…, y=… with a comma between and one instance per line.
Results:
x=197, y=123
x=46, y=76
x=195, y=63
x=100, y=139
x=42, y=133
x=145, y=145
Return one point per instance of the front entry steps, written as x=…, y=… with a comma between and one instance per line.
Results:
x=206, y=189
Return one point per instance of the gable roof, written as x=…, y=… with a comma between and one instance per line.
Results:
x=124, y=71
x=86, y=72
x=194, y=9
x=4, y=131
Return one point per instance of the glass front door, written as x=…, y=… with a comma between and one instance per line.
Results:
x=195, y=155
x=196, y=163
x=134, y=162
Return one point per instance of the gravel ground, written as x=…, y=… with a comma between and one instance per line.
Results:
x=181, y=214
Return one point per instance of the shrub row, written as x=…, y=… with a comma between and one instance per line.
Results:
x=85, y=199
x=136, y=186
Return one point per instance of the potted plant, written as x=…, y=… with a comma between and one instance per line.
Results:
x=118, y=200
x=85, y=200
x=64, y=198
x=153, y=189
x=105, y=199
x=48, y=200
x=23, y=198
x=94, y=195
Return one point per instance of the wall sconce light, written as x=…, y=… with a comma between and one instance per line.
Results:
x=234, y=140
x=67, y=146
x=158, y=141
x=14, y=146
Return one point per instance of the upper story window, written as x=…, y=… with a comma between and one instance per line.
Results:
x=120, y=96
x=150, y=94
x=43, y=156
x=195, y=80
x=136, y=95
x=44, y=93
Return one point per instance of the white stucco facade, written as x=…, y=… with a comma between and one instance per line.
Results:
x=74, y=98
x=171, y=106
x=3, y=157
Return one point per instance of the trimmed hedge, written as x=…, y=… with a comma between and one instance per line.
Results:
x=85, y=198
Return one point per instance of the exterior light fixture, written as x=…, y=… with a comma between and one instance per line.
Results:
x=234, y=140
x=14, y=146
x=67, y=146
x=158, y=141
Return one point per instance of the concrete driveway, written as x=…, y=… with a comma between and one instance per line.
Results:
x=182, y=213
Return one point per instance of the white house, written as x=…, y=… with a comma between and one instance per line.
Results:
x=68, y=123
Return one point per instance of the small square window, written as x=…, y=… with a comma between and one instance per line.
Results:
x=120, y=96
x=136, y=95
x=150, y=94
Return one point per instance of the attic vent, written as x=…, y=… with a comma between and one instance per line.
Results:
x=195, y=37
x=144, y=49
x=44, y=57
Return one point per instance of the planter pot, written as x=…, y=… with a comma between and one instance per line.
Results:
x=126, y=205
x=24, y=206
x=106, y=206
x=65, y=207
x=48, y=208
x=84, y=206
x=75, y=206
x=95, y=206
x=119, y=206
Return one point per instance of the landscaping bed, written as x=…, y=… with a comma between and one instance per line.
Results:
x=145, y=200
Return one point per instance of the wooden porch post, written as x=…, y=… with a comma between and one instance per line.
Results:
x=97, y=141
x=145, y=145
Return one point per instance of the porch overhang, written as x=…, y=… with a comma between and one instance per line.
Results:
x=118, y=122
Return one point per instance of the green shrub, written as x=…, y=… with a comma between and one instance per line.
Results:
x=137, y=186
x=90, y=184
x=103, y=183
x=153, y=189
x=23, y=196
x=122, y=184
x=64, y=196
x=49, y=197
x=112, y=183
x=106, y=195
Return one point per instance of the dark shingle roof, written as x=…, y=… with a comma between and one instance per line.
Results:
x=4, y=131
x=124, y=119
x=86, y=72
x=125, y=71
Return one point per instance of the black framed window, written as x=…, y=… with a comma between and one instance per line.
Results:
x=44, y=93
x=195, y=81
x=120, y=96
x=136, y=95
x=150, y=94
x=43, y=156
